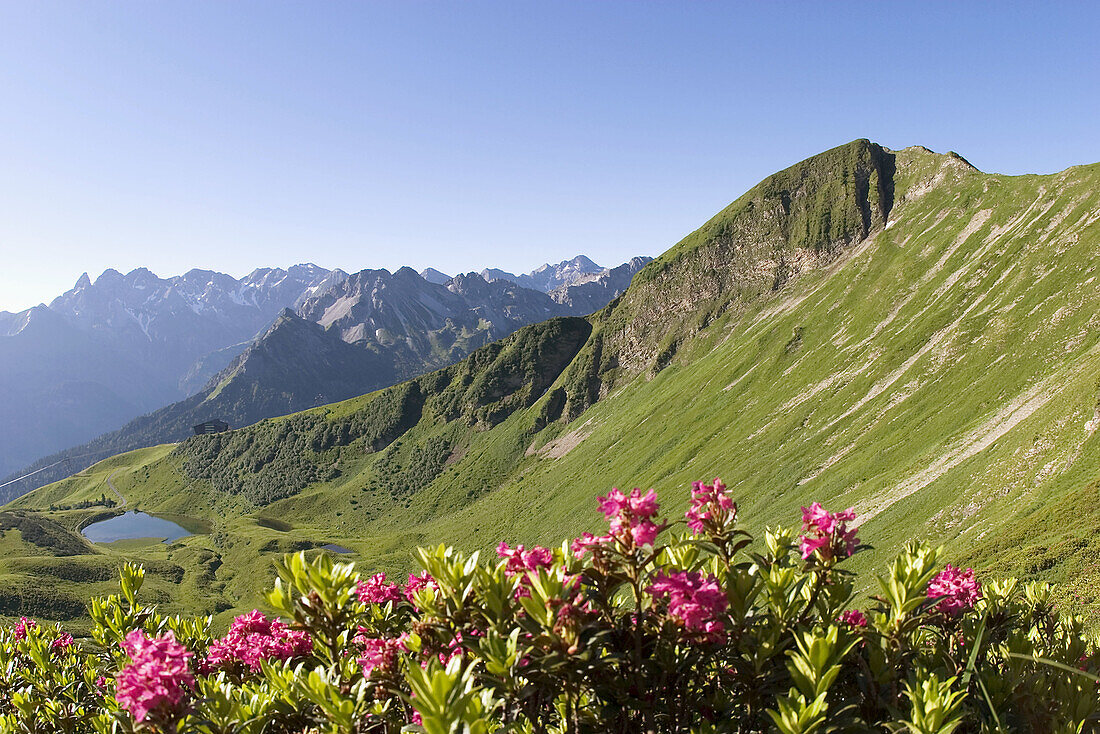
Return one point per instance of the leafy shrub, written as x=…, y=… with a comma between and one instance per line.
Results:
x=648, y=628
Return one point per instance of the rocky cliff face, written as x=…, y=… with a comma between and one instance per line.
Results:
x=591, y=292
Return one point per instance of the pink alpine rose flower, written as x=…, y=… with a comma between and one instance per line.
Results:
x=376, y=590
x=521, y=561
x=827, y=533
x=644, y=532
x=63, y=642
x=630, y=517
x=22, y=627
x=588, y=542
x=957, y=590
x=380, y=653
x=695, y=602
x=253, y=638
x=416, y=583
x=643, y=505
x=712, y=509
x=853, y=618
x=613, y=504
x=157, y=677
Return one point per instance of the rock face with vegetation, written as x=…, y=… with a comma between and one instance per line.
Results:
x=890, y=330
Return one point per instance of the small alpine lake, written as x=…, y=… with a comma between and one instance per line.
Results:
x=133, y=524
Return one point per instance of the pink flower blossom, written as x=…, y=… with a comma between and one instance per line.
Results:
x=521, y=560
x=644, y=532
x=22, y=627
x=416, y=583
x=613, y=504
x=711, y=508
x=376, y=590
x=630, y=517
x=853, y=618
x=63, y=642
x=827, y=533
x=156, y=678
x=957, y=590
x=588, y=542
x=380, y=653
x=643, y=505
x=695, y=602
x=253, y=638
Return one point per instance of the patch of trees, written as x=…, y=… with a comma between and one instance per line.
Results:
x=275, y=459
x=425, y=462
x=43, y=533
x=101, y=501
x=268, y=462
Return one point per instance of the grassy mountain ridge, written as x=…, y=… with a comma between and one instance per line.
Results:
x=798, y=219
x=891, y=330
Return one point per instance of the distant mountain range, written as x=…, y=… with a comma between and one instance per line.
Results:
x=202, y=345
x=106, y=351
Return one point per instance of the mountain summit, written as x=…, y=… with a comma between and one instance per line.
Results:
x=547, y=277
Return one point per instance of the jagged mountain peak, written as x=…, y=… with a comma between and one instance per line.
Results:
x=108, y=277
x=580, y=263
x=435, y=276
x=548, y=277
x=406, y=272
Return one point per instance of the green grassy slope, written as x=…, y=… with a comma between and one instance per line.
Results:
x=898, y=332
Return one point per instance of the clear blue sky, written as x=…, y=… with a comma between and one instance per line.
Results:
x=233, y=135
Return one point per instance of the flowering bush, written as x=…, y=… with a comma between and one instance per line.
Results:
x=701, y=630
x=957, y=590
x=253, y=638
x=155, y=682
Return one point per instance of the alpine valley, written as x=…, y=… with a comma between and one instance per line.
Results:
x=890, y=330
x=160, y=355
